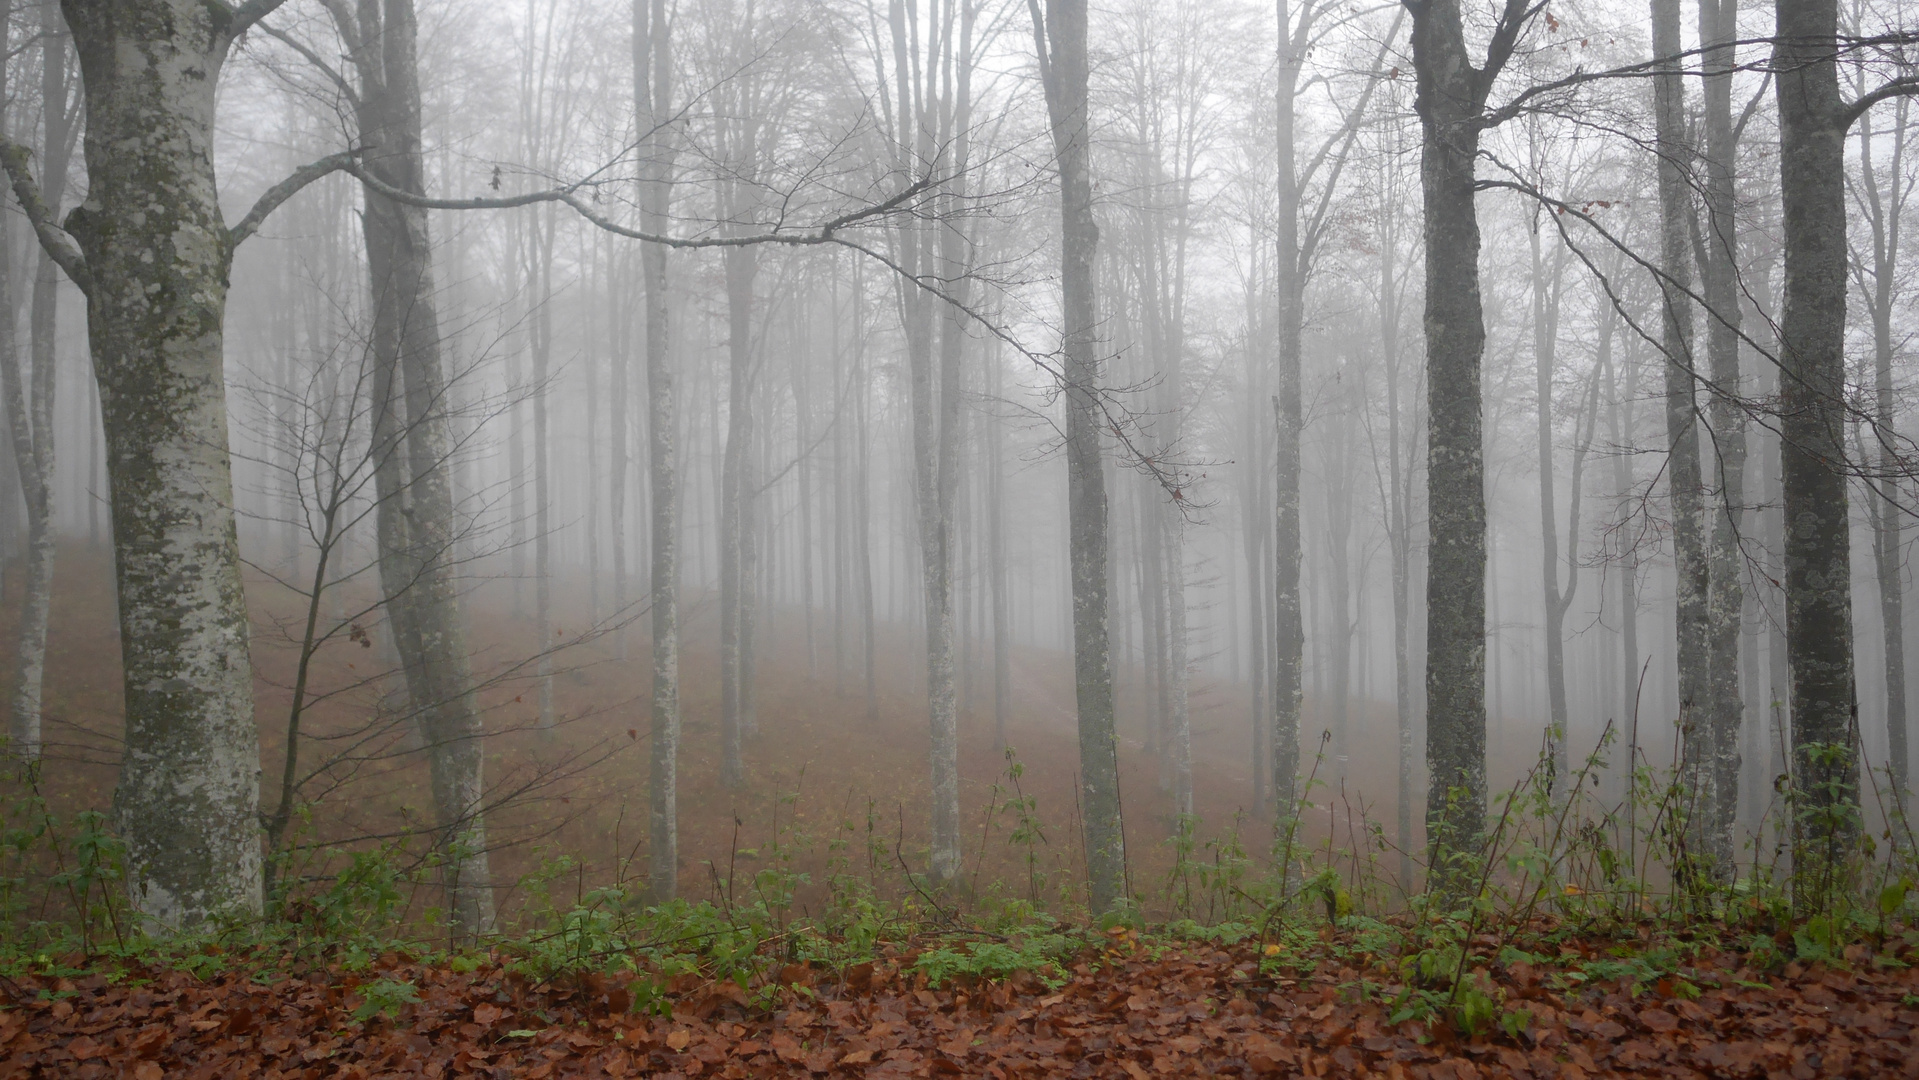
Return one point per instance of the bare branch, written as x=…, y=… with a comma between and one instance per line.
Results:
x=247, y=14
x=822, y=233
x=287, y=189
x=58, y=244
x=1903, y=86
x=338, y=79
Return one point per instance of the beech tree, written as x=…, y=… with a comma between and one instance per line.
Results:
x=1451, y=102
x=1059, y=36
x=150, y=250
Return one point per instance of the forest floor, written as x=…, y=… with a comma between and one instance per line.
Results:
x=1136, y=1008
x=831, y=821
x=822, y=768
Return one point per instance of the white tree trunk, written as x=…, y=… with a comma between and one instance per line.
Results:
x=157, y=253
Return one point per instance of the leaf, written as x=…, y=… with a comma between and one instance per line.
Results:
x=678, y=1039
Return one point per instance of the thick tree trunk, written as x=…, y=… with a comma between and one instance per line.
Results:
x=1062, y=44
x=1449, y=101
x=157, y=254
x=1812, y=130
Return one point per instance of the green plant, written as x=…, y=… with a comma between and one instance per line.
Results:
x=384, y=997
x=1041, y=956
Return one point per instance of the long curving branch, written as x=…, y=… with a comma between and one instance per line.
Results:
x=287, y=189
x=824, y=232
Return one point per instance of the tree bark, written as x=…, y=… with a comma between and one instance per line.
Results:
x=1545, y=313
x=1061, y=40
x=1289, y=630
x=1450, y=102
x=1883, y=206
x=156, y=255
x=416, y=518
x=652, y=97
x=1818, y=554
x=1683, y=476
x=30, y=401
x=1718, y=815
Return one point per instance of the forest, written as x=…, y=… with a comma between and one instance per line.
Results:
x=957, y=537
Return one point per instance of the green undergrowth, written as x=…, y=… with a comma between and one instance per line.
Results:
x=1565, y=893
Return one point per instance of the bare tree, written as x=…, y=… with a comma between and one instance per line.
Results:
x=29, y=390
x=1881, y=200
x=1718, y=776
x=652, y=96
x=413, y=444
x=1060, y=39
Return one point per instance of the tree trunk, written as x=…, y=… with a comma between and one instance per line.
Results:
x=1883, y=206
x=1718, y=815
x=1812, y=159
x=1545, y=314
x=157, y=254
x=1450, y=98
x=652, y=94
x=1683, y=476
x=416, y=517
x=1062, y=50
x=30, y=399
x=1289, y=630
x=540, y=275
x=736, y=500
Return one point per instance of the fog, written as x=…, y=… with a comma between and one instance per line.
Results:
x=843, y=401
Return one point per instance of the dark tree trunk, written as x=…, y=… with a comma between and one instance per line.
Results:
x=1812, y=158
